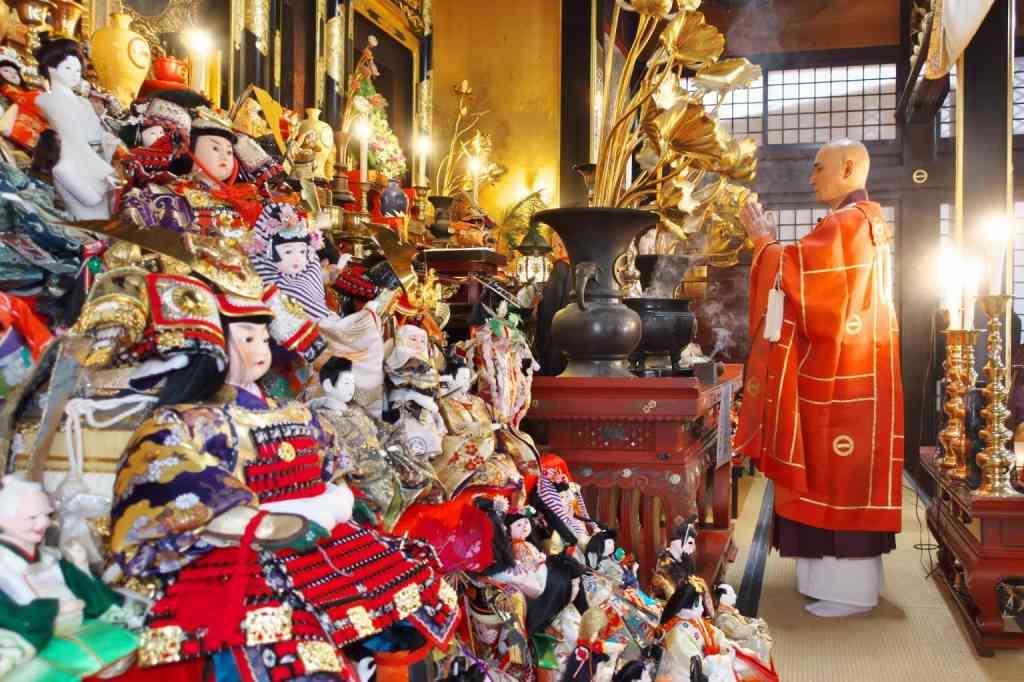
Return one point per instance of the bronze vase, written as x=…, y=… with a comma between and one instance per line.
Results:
x=596, y=331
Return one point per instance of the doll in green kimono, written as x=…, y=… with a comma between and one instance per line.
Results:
x=57, y=622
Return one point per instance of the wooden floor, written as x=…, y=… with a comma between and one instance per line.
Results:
x=912, y=635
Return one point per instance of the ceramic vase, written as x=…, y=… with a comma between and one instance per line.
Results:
x=596, y=331
x=393, y=200
x=121, y=57
x=324, y=136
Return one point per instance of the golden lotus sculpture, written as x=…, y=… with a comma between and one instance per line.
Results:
x=690, y=165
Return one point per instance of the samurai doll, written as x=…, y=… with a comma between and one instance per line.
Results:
x=245, y=498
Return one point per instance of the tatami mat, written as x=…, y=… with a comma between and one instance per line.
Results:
x=912, y=635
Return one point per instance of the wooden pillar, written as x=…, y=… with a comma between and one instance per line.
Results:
x=276, y=58
x=984, y=181
x=256, y=44
x=577, y=48
x=334, y=63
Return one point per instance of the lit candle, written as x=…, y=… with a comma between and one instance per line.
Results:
x=972, y=277
x=362, y=131
x=474, y=172
x=213, y=76
x=199, y=45
x=997, y=235
x=422, y=149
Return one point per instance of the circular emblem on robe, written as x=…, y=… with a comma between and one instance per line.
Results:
x=842, y=445
x=854, y=325
x=286, y=451
x=189, y=302
x=754, y=386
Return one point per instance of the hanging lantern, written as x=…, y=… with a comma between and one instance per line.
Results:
x=534, y=262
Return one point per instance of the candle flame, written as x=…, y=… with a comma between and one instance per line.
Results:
x=361, y=129
x=423, y=145
x=998, y=228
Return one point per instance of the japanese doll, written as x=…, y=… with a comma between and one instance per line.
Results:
x=159, y=145
x=245, y=498
x=677, y=562
x=529, y=574
x=469, y=455
x=21, y=122
x=388, y=477
x=57, y=621
x=750, y=633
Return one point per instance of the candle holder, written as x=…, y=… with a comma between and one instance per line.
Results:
x=996, y=460
x=340, y=192
x=960, y=377
x=364, y=202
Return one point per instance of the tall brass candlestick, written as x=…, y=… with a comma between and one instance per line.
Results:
x=960, y=376
x=995, y=460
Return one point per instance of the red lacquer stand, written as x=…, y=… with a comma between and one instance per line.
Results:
x=645, y=453
x=981, y=544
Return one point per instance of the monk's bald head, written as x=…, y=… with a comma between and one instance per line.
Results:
x=840, y=167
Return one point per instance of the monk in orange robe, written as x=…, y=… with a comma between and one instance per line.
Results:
x=822, y=413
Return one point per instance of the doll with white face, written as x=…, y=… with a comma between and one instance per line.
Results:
x=750, y=633
x=43, y=595
x=83, y=175
x=530, y=573
x=283, y=250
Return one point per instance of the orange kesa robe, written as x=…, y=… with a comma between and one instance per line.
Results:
x=822, y=412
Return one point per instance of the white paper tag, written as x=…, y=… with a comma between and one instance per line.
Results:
x=773, y=315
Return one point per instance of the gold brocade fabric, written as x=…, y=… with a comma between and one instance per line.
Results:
x=469, y=456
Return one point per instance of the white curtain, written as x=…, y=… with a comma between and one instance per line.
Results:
x=955, y=23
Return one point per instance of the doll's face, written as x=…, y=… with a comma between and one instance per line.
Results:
x=248, y=353
x=488, y=634
x=728, y=594
x=10, y=75
x=150, y=135
x=27, y=524
x=343, y=389
x=520, y=529
x=690, y=545
x=293, y=257
x=217, y=156
x=68, y=72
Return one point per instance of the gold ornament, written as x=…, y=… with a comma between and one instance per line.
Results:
x=995, y=460
x=318, y=657
x=286, y=451
x=158, y=646
x=691, y=41
x=361, y=621
x=727, y=75
x=407, y=600
x=268, y=625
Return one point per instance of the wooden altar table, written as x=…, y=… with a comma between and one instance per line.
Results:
x=646, y=453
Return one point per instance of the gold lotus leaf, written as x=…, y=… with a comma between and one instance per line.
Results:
x=690, y=40
x=689, y=129
x=654, y=8
x=728, y=74
x=730, y=201
x=742, y=157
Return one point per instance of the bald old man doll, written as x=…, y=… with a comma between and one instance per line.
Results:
x=822, y=412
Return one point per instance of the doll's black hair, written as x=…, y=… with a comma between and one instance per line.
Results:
x=686, y=596
x=501, y=545
x=454, y=364
x=562, y=570
x=183, y=97
x=631, y=672
x=334, y=368
x=51, y=53
x=595, y=546
x=211, y=131
x=13, y=65
x=46, y=154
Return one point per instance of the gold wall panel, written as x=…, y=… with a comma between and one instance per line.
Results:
x=511, y=54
